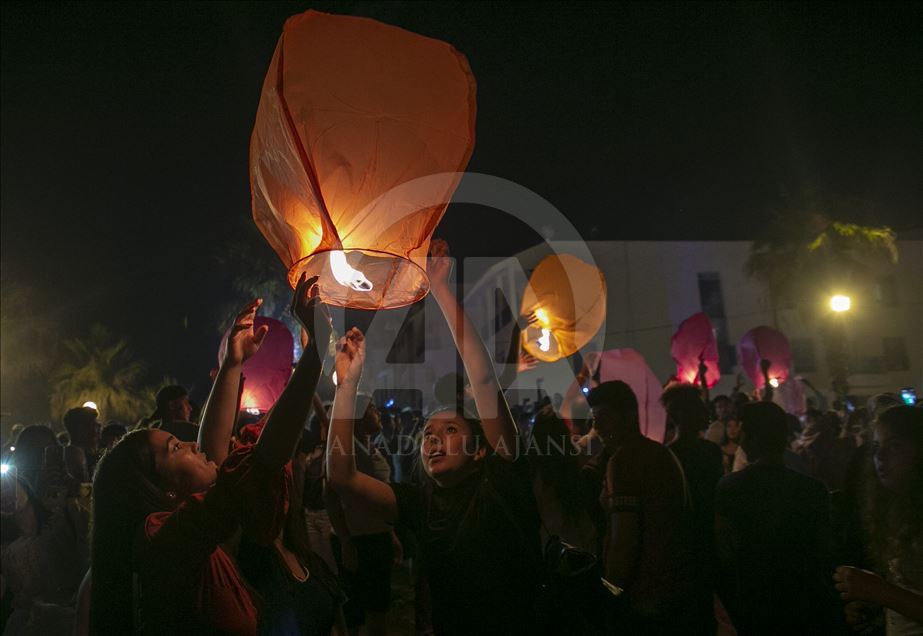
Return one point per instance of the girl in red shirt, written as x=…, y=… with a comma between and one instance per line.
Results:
x=161, y=510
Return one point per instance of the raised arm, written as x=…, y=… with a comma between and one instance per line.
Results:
x=220, y=412
x=287, y=417
x=496, y=419
x=377, y=497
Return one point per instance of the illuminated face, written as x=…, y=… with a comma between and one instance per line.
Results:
x=181, y=465
x=447, y=451
x=723, y=409
x=895, y=458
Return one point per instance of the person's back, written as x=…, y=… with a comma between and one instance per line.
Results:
x=773, y=534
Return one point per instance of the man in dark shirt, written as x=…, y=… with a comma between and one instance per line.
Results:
x=647, y=545
x=772, y=533
x=702, y=465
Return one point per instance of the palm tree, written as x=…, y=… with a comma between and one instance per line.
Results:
x=100, y=368
x=805, y=256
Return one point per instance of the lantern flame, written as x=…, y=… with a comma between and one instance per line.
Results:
x=346, y=275
x=544, y=343
x=774, y=383
x=542, y=316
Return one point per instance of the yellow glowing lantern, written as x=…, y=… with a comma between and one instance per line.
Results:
x=565, y=304
x=361, y=134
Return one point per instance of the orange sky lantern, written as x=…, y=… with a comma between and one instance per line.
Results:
x=361, y=134
x=565, y=302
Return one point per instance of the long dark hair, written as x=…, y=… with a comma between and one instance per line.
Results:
x=126, y=489
x=894, y=521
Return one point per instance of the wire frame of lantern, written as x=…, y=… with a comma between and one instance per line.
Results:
x=351, y=111
x=564, y=304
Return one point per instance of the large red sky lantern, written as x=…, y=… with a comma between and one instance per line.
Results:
x=268, y=370
x=361, y=134
x=565, y=302
x=630, y=367
x=693, y=343
x=765, y=343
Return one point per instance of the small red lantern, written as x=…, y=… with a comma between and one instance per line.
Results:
x=267, y=372
x=765, y=343
x=692, y=345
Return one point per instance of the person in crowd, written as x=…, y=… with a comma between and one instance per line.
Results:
x=825, y=451
x=892, y=510
x=730, y=445
x=703, y=467
x=724, y=408
x=29, y=456
x=44, y=557
x=161, y=511
x=647, y=549
x=473, y=516
x=174, y=414
x=82, y=452
x=772, y=536
x=314, y=445
x=111, y=434
x=567, y=504
x=365, y=545
x=298, y=591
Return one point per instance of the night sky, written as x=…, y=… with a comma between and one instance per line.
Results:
x=125, y=130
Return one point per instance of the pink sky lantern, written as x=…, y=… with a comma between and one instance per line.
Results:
x=266, y=373
x=630, y=367
x=765, y=343
x=694, y=342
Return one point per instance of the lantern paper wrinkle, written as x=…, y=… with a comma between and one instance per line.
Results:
x=568, y=299
x=361, y=134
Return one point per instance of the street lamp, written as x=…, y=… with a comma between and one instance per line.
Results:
x=840, y=303
x=91, y=405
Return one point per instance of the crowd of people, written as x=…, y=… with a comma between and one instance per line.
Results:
x=554, y=516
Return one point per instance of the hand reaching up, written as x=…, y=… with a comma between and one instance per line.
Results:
x=243, y=341
x=312, y=314
x=350, y=358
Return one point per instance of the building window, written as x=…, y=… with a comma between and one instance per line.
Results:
x=803, y=355
x=886, y=291
x=895, y=354
x=711, y=298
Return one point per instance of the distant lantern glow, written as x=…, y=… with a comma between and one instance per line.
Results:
x=346, y=275
x=90, y=405
x=774, y=383
x=564, y=304
x=840, y=303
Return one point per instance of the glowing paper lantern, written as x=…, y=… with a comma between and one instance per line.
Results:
x=764, y=343
x=361, y=134
x=268, y=370
x=630, y=367
x=565, y=302
x=693, y=343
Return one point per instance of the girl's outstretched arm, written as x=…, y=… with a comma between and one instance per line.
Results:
x=497, y=421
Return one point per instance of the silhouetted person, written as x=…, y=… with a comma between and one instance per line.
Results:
x=174, y=412
x=772, y=534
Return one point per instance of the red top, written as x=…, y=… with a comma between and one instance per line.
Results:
x=186, y=580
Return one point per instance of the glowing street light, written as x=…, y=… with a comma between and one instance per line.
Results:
x=91, y=405
x=840, y=303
